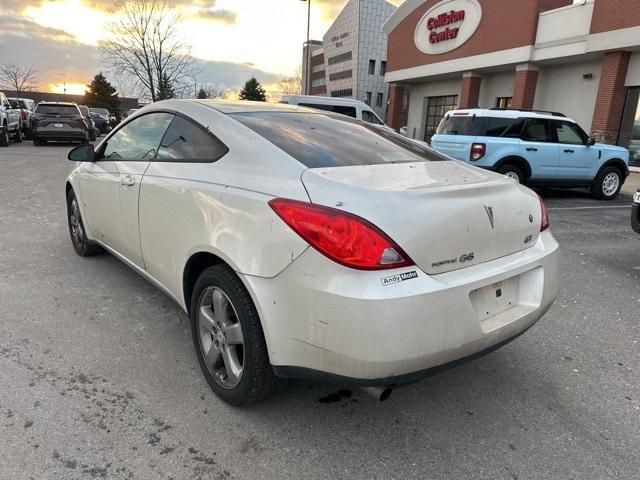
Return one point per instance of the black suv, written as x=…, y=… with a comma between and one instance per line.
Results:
x=59, y=121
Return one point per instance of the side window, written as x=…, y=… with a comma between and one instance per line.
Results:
x=138, y=139
x=350, y=111
x=569, y=133
x=369, y=117
x=184, y=141
x=536, y=130
x=498, y=127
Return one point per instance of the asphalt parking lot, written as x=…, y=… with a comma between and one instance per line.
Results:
x=98, y=378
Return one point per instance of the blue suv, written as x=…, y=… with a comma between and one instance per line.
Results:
x=533, y=147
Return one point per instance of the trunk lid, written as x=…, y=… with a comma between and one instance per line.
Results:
x=444, y=215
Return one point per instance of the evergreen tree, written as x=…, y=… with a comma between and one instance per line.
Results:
x=202, y=93
x=165, y=88
x=252, y=90
x=100, y=93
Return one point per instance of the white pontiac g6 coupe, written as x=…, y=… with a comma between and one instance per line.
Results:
x=308, y=244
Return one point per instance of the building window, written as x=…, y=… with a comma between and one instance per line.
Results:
x=629, y=136
x=318, y=68
x=379, y=99
x=383, y=68
x=340, y=75
x=318, y=82
x=368, y=98
x=343, y=57
x=345, y=92
x=503, y=102
x=372, y=67
x=436, y=108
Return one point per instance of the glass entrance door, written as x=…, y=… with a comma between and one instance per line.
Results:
x=630, y=131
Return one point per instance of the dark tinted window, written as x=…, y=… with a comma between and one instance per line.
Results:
x=187, y=142
x=62, y=110
x=15, y=104
x=343, y=110
x=138, y=139
x=84, y=111
x=498, y=127
x=460, y=125
x=325, y=140
x=536, y=130
x=369, y=117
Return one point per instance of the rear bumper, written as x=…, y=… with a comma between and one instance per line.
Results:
x=635, y=213
x=49, y=134
x=325, y=321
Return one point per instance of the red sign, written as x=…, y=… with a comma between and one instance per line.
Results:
x=442, y=20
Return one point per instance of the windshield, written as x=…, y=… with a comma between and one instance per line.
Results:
x=62, y=110
x=327, y=140
x=101, y=111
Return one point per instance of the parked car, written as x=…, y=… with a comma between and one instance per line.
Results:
x=91, y=126
x=102, y=119
x=344, y=106
x=370, y=260
x=131, y=111
x=635, y=212
x=535, y=148
x=26, y=107
x=10, y=122
x=58, y=121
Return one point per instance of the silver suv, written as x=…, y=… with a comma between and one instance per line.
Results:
x=10, y=122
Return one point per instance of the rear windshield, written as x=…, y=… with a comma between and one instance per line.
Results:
x=325, y=140
x=100, y=111
x=480, y=126
x=62, y=110
x=84, y=111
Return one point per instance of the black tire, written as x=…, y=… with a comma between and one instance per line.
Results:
x=81, y=243
x=257, y=380
x=27, y=134
x=92, y=136
x=4, y=137
x=599, y=189
x=512, y=171
x=37, y=142
x=18, y=135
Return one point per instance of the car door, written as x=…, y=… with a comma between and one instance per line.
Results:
x=110, y=186
x=577, y=160
x=175, y=199
x=538, y=148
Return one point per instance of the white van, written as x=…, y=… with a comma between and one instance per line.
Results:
x=345, y=106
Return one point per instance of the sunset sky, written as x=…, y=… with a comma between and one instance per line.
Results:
x=234, y=38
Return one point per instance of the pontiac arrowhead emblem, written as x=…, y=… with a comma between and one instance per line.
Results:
x=489, y=211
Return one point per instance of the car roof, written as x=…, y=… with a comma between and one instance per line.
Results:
x=508, y=113
x=245, y=106
x=67, y=104
x=325, y=100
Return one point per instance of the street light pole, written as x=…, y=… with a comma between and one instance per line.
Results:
x=307, y=87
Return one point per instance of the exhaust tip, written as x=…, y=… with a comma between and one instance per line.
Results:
x=379, y=393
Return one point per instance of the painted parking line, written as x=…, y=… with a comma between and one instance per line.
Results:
x=599, y=207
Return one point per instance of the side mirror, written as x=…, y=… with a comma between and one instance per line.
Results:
x=591, y=141
x=83, y=153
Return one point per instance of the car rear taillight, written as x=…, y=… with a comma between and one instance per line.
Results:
x=477, y=151
x=544, y=223
x=37, y=118
x=343, y=237
x=24, y=114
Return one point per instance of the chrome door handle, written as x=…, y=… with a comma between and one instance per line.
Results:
x=568, y=150
x=128, y=180
x=531, y=149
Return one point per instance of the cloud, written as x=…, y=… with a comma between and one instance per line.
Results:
x=59, y=58
x=220, y=15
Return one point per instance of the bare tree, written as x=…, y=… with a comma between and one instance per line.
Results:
x=216, y=92
x=291, y=85
x=144, y=45
x=17, y=77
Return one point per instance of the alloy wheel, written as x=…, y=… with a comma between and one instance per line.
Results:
x=610, y=184
x=513, y=175
x=77, y=229
x=220, y=337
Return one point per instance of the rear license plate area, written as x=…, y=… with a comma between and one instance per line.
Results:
x=57, y=125
x=496, y=298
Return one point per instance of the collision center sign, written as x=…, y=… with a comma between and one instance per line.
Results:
x=447, y=25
